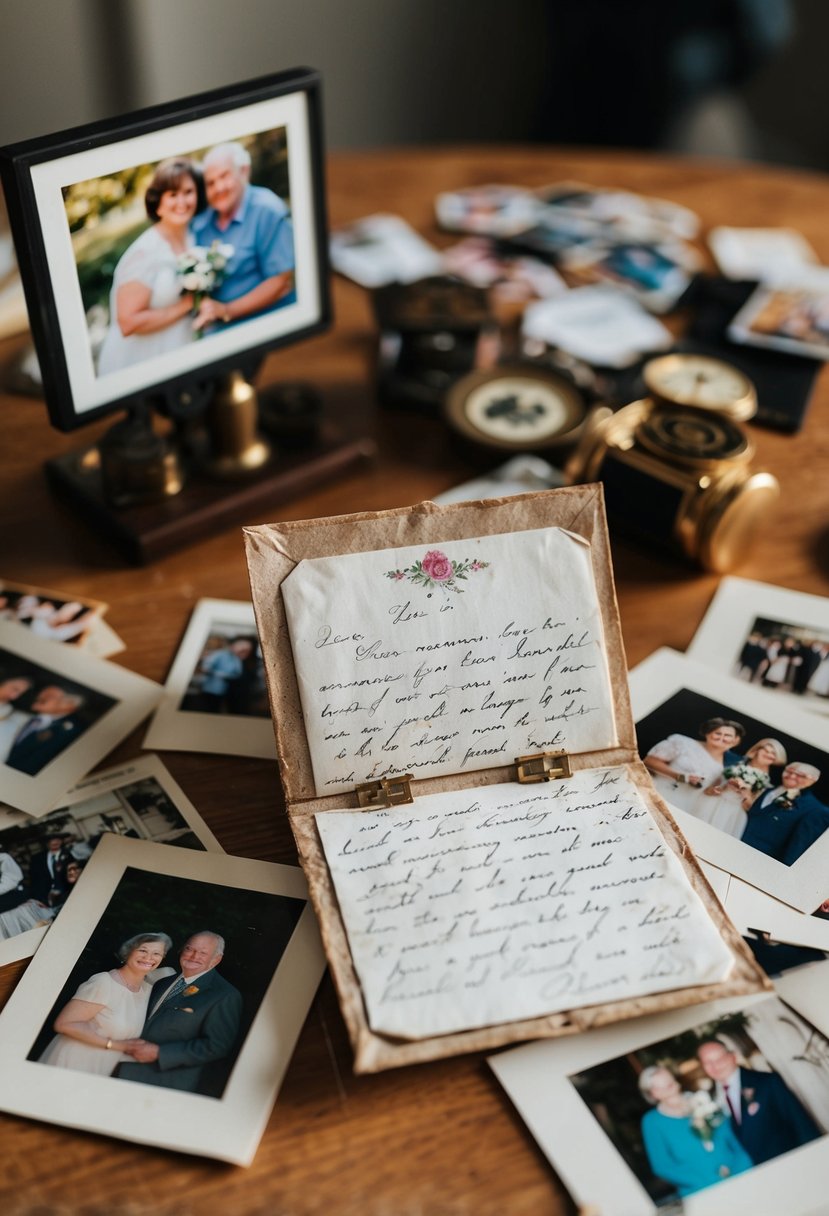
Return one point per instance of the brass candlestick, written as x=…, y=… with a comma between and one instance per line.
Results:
x=237, y=448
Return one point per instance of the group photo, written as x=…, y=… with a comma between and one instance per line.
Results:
x=169, y=983
x=713, y=1102
x=47, y=615
x=756, y=784
x=41, y=861
x=42, y=713
x=171, y=252
x=786, y=658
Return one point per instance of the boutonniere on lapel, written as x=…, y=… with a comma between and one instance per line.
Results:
x=752, y=1107
x=190, y=990
x=786, y=801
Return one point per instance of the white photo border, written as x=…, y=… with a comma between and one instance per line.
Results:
x=537, y=1079
x=136, y=697
x=23, y=945
x=228, y=1129
x=803, y=885
x=173, y=729
x=737, y=604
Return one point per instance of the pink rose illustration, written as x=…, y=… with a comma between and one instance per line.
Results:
x=437, y=565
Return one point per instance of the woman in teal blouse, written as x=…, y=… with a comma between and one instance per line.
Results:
x=688, y=1140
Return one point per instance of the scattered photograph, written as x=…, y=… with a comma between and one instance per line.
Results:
x=51, y=614
x=770, y=637
x=621, y=209
x=381, y=249
x=757, y=253
x=720, y=1108
x=215, y=697
x=42, y=860
x=492, y=210
x=598, y=324
x=753, y=796
x=511, y=279
x=789, y=317
x=656, y=274
x=164, y=1004
x=61, y=710
x=778, y=936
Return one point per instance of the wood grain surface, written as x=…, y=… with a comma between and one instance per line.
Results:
x=439, y=1138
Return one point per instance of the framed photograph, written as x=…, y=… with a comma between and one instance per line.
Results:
x=42, y=860
x=720, y=1108
x=769, y=637
x=164, y=1005
x=215, y=698
x=163, y=247
x=61, y=711
x=750, y=794
x=791, y=315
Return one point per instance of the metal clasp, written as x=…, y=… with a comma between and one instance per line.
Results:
x=543, y=766
x=388, y=791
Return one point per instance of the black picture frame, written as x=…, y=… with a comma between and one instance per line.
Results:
x=36, y=173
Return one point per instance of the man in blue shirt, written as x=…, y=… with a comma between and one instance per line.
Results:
x=256, y=223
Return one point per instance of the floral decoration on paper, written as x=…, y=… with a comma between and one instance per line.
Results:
x=438, y=570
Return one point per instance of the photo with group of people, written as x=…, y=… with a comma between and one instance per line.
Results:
x=786, y=658
x=715, y=1101
x=758, y=785
x=171, y=252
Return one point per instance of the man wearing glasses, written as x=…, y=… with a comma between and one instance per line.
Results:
x=785, y=821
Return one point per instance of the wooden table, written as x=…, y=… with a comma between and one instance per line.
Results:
x=441, y=1138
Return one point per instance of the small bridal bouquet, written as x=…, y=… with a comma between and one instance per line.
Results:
x=749, y=778
x=705, y=1116
x=201, y=271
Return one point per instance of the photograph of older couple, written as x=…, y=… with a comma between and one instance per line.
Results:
x=170, y=252
x=168, y=985
x=753, y=782
x=42, y=713
x=710, y=1104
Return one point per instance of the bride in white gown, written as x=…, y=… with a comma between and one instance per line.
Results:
x=104, y=1019
x=148, y=313
x=725, y=802
x=682, y=766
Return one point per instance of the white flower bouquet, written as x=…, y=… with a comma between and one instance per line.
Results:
x=705, y=1116
x=202, y=270
x=750, y=778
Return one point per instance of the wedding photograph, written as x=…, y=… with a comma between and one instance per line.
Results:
x=215, y=697
x=702, y=1107
x=172, y=252
x=769, y=637
x=749, y=784
x=164, y=1003
x=41, y=861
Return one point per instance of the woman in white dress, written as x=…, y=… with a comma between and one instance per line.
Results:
x=819, y=683
x=18, y=912
x=101, y=1023
x=148, y=314
x=11, y=720
x=681, y=766
x=725, y=802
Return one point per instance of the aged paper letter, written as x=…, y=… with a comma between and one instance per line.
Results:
x=450, y=659
x=474, y=908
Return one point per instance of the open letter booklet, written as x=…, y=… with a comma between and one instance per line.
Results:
x=485, y=851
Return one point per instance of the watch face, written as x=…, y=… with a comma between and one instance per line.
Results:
x=701, y=381
x=515, y=408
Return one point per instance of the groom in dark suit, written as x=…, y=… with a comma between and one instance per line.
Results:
x=192, y=1020
x=54, y=724
x=766, y=1116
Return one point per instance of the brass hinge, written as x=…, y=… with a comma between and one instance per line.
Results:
x=388, y=791
x=543, y=766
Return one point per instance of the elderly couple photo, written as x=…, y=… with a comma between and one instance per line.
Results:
x=172, y=252
x=714, y=1102
x=41, y=714
x=762, y=790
